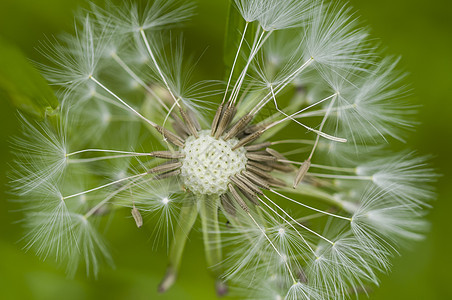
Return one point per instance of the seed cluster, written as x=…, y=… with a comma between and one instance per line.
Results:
x=209, y=163
x=223, y=160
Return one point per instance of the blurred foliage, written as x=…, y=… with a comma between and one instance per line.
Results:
x=24, y=86
x=420, y=33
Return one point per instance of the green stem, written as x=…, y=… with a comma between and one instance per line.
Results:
x=187, y=218
x=208, y=209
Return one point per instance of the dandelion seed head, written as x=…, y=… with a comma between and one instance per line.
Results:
x=286, y=164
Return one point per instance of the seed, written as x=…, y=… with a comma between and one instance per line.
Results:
x=248, y=139
x=249, y=184
x=167, y=154
x=216, y=119
x=253, y=128
x=277, y=182
x=260, y=157
x=275, y=153
x=137, y=217
x=225, y=120
x=167, y=174
x=193, y=118
x=168, y=166
x=171, y=137
x=227, y=204
x=241, y=185
x=257, y=146
x=260, y=166
x=256, y=179
x=237, y=198
x=281, y=166
x=301, y=173
x=251, y=197
x=190, y=125
x=241, y=123
x=179, y=127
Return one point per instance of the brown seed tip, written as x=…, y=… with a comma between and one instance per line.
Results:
x=301, y=173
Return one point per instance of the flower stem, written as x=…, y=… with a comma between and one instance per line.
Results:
x=187, y=218
x=208, y=208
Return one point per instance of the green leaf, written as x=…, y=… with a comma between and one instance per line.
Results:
x=23, y=84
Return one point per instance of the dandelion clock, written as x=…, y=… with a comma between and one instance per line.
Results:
x=286, y=165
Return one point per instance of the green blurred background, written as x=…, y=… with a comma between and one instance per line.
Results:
x=419, y=30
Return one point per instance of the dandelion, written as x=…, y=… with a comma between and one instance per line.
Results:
x=285, y=167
